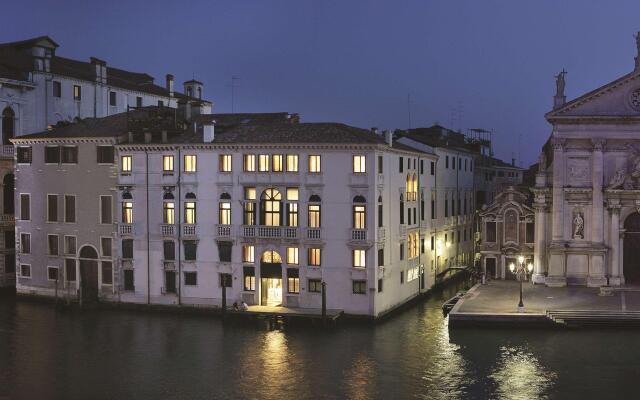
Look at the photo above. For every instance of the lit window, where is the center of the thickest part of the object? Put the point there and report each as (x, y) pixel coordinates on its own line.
(314, 257)
(249, 162)
(77, 92)
(292, 214)
(293, 280)
(276, 161)
(248, 254)
(167, 164)
(127, 212)
(249, 279)
(359, 259)
(359, 164)
(225, 163)
(292, 193)
(359, 217)
(168, 215)
(270, 206)
(314, 164)
(314, 215)
(190, 212)
(224, 213)
(292, 163)
(190, 163)
(249, 193)
(292, 255)
(125, 164)
(263, 163)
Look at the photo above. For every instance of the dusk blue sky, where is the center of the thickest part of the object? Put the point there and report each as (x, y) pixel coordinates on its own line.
(488, 64)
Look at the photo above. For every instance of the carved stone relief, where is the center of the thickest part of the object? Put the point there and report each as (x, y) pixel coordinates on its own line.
(578, 171)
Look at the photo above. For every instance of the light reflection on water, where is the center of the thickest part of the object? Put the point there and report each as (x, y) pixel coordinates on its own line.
(46, 353)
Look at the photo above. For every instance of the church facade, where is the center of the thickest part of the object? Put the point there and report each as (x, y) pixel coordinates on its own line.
(587, 192)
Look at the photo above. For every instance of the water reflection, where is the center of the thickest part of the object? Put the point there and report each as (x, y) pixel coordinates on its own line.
(519, 375)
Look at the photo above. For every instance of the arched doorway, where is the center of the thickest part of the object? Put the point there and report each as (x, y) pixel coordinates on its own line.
(631, 251)
(8, 185)
(270, 279)
(8, 125)
(88, 274)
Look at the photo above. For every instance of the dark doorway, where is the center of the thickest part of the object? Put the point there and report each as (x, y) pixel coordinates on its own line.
(170, 281)
(507, 271)
(128, 280)
(631, 251)
(490, 264)
(8, 185)
(8, 125)
(88, 274)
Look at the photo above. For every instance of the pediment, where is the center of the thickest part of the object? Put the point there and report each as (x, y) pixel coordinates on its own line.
(617, 99)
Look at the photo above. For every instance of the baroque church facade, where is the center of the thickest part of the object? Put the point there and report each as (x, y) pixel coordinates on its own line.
(587, 191)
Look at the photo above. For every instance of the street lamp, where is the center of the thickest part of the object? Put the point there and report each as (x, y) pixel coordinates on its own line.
(521, 274)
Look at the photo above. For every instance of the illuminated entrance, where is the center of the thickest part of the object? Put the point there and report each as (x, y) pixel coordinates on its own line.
(270, 279)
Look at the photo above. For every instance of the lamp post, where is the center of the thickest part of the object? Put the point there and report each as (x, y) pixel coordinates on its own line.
(521, 274)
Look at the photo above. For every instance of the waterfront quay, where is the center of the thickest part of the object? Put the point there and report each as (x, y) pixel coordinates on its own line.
(496, 303)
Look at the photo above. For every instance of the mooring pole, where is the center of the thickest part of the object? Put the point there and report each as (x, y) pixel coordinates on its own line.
(324, 302)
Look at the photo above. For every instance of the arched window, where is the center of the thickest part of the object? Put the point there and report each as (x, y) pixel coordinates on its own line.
(8, 125)
(314, 216)
(168, 196)
(359, 212)
(270, 207)
(8, 185)
(168, 209)
(271, 257)
(190, 209)
(190, 195)
(224, 209)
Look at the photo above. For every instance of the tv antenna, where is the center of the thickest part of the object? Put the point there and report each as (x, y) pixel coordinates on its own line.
(233, 86)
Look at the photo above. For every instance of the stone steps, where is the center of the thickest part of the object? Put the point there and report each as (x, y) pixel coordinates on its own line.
(594, 317)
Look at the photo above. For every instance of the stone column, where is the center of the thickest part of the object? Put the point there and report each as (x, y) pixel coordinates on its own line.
(540, 243)
(556, 275)
(615, 268)
(596, 276)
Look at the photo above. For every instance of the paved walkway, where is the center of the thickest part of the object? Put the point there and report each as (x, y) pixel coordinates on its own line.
(301, 312)
(501, 297)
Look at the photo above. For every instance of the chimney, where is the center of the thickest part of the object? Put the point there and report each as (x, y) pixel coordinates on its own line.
(374, 130)
(208, 132)
(170, 84)
(388, 137)
(513, 162)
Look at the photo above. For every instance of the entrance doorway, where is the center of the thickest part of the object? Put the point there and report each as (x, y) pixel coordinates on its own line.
(631, 251)
(88, 274)
(270, 279)
(170, 281)
(490, 264)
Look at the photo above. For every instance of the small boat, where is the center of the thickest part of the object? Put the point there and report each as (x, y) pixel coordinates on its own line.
(448, 305)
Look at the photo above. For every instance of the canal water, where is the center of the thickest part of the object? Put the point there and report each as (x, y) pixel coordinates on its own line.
(47, 353)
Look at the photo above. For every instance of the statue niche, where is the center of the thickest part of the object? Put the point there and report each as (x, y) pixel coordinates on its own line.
(578, 225)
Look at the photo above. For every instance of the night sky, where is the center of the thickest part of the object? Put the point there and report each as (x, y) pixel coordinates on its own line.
(465, 64)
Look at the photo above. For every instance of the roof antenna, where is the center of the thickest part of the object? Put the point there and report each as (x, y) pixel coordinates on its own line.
(233, 86)
(409, 107)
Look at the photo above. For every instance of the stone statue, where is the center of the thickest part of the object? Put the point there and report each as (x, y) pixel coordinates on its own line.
(637, 36)
(578, 226)
(560, 83)
(618, 179)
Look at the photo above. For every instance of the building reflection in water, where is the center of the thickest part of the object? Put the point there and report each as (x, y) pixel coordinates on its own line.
(519, 375)
(359, 378)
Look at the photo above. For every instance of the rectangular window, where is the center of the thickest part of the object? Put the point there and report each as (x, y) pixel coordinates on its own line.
(106, 216)
(401, 277)
(190, 250)
(248, 252)
(190, 212)
(127, 212)
(314, 164)
(107, 272)
(380, 215)
(314, 257)
(77, 92)
(453, 162)
(23, 155)
(433, 168)
(380, 285)
(9, 239)
(224, 251)
(105, 154)
(292, 214)
(167, 164)
(112, 99)
(292, 163)
(225, 280)
(169, 212)
(359, 217)
(52, 273)
(138, 101)
(129, 280)
(69, 154)
(315, 286)
(127, 248)
(359, 287)
(401, 251)
(190, 163)
(446, 161)
(225, 162)
(52, 244)
(224, 213)
(263, 163)
(530, 233)
(160, 103)
(421, 167)
(249, 279)
(249, 214)
(277, 164)
(190, 278)
(359, 258)
(380, 257)
(70, 245)
(249, 162)
(52, 208)
(25, 271)
(292, 255)
(70, 270)
(51, 154)
(57, 89)
(314, 216)
(25, 206)
(126, 163)
(169, 250)
(380, 164)
(491, 232)
(359, 165)
(25, 243)
(105, 246)
(293, 280)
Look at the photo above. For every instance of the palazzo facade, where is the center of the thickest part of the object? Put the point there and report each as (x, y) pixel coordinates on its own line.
(587, 191)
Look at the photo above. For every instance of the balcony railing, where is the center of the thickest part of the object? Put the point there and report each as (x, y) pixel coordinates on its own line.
(224, 230)
(314, 233)
(125, 229)
(189, 230)
(269, 232)
(358, 234)
(248, 231)
(168, 229)
(7, 150)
